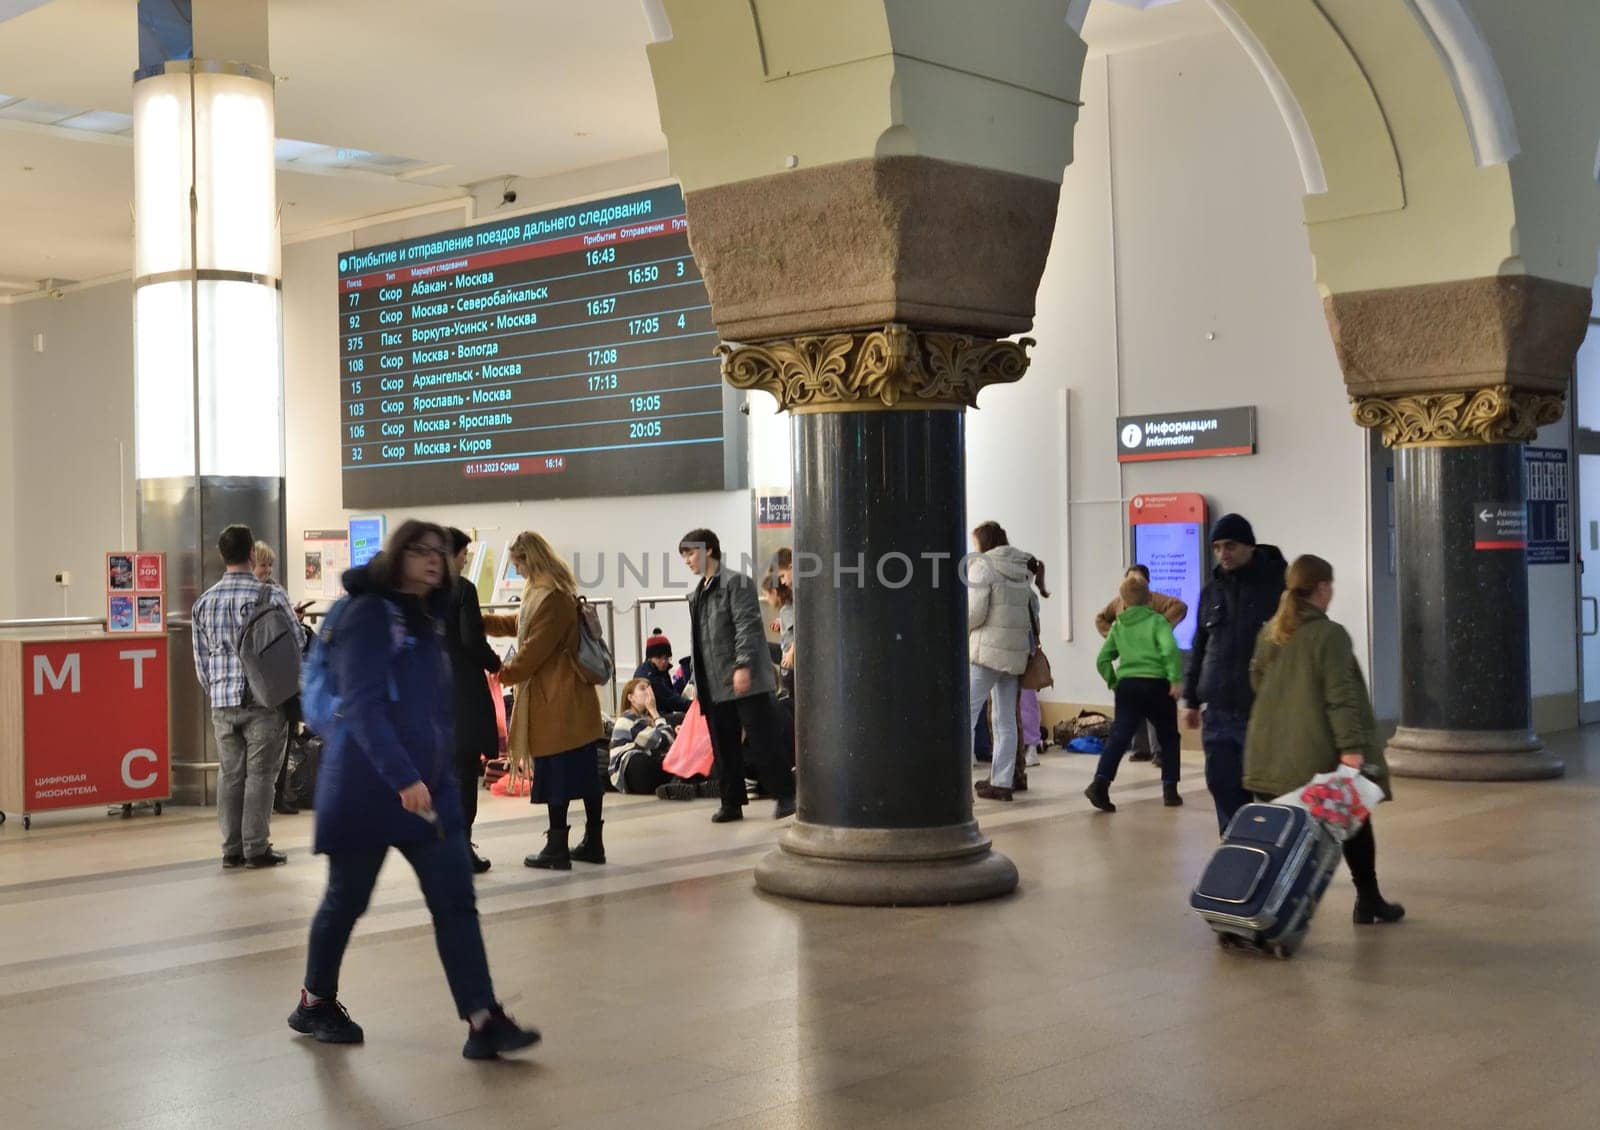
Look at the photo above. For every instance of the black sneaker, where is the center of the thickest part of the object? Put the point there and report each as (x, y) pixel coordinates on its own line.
(499, 1034)
(479, 864)
(707, 790)
(726, 815)
(1169, 795)
(268, 858)
(327, 1020)
(677, 790)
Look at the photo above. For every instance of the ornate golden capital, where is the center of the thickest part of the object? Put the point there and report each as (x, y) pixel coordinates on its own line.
(1498, 414)
(874, 370)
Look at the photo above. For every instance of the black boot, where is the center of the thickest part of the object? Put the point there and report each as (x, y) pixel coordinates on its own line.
(1099, 794)
(1169, 795)
(1371, 909)
(555, 856)
(591, 849)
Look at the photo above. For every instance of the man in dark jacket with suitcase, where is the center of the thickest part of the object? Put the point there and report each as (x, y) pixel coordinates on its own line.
(1241, 596)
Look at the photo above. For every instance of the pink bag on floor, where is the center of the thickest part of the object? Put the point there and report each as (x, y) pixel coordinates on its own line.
(1032, 725)
(690, 755)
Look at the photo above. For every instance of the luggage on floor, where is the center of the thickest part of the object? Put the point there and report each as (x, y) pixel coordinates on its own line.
(305, 760)
(1263, 884)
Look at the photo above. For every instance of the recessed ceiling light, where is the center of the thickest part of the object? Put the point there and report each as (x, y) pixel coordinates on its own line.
(27, 168)
(581, 133)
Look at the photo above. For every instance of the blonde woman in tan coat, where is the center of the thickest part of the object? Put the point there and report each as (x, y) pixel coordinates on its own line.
(555, 721)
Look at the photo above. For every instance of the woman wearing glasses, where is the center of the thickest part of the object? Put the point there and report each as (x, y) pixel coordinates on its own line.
(388, 780)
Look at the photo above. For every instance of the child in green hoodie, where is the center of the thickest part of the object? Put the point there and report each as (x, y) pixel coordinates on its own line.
(1147, 683)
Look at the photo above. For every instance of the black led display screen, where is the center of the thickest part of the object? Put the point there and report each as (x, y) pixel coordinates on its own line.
(557, 355)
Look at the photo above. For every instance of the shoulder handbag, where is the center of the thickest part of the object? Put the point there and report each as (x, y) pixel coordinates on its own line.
(1036, 676)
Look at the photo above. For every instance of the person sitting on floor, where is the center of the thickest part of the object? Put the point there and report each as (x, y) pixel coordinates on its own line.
(640, 738)
(657, 668)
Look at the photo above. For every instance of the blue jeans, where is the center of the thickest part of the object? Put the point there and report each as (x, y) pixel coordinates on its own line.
(1000, 690)
(444, 869)
(1223, 739)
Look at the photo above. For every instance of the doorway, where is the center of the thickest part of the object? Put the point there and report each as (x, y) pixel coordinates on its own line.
(1586, 537)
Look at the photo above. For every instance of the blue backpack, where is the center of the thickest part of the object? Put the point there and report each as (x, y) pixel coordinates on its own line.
(319, 692)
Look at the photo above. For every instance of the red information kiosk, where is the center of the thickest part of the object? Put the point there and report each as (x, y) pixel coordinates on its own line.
(83, 721)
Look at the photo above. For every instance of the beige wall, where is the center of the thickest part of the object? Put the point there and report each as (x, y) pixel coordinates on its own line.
(71, 445)
(8, 473)
(1170, 229)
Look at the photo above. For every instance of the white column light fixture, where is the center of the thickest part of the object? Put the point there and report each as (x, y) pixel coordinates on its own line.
(207, 268)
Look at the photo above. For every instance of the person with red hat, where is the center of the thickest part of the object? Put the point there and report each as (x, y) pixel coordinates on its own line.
(657, 667)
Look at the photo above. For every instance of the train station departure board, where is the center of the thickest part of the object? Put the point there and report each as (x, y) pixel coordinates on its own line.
(558, 355)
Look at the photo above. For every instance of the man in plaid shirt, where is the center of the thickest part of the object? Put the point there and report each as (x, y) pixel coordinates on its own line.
(249, 737)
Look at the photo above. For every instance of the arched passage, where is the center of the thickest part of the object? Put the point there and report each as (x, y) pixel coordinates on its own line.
(872, 187)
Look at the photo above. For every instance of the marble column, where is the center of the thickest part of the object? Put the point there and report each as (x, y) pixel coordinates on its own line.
(207, 317)
(1457, 377)
(883, 760)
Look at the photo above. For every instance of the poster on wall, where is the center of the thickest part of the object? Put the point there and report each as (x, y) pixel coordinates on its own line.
(1549, 506)
(120, 613)
(327, 556)
(119, 572)
(150, 612)
(149, 572)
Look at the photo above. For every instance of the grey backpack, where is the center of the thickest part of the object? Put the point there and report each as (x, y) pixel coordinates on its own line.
(593, 657)
(269, 651)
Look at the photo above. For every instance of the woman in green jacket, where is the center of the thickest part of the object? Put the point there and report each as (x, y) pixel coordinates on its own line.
(1312, 713)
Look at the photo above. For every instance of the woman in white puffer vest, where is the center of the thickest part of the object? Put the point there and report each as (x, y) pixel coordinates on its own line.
(1002, 619)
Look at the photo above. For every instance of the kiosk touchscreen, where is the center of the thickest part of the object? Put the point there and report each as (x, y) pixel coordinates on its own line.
(508, 584)
(366, 538)
(1169, 539)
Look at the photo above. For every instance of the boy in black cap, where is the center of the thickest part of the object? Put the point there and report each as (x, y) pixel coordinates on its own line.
(1241, 596)
(657, 664)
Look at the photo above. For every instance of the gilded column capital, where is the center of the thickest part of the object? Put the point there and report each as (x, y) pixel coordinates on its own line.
(1497, 414)
(895, 367)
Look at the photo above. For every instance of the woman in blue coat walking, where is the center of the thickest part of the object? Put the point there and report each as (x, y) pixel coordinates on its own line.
(388, 780)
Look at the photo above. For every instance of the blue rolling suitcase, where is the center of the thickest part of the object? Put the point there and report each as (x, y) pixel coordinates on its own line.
(1263, 884)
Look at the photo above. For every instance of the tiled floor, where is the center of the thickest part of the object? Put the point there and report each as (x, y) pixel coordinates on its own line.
(141, 986)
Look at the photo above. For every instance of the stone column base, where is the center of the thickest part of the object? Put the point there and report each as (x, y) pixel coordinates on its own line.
(886, 866)
(1471, 755)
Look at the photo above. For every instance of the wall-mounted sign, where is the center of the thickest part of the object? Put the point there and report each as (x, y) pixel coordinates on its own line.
(1169, 539)
(774, 511)
(1186, 435)
(1549, 506)
(1499, 525)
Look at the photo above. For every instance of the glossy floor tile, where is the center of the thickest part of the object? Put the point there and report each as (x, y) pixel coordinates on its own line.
(143, 986)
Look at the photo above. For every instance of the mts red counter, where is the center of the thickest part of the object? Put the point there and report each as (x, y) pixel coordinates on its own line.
(83, 721)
